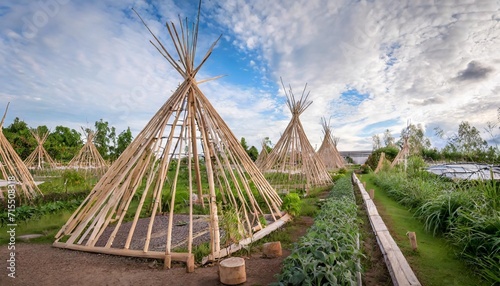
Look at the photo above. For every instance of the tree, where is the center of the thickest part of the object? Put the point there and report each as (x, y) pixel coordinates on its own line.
(63, 143)
(124, 139)
(416, 138)
(102, 138)
(244, 144)
(19, 136)
(467, 144)
(388, 138)
(376, 142)
(253, 153)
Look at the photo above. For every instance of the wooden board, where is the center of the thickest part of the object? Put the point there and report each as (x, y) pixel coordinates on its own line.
(399, 269)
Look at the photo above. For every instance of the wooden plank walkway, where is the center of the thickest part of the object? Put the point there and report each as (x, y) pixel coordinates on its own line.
(400, 270)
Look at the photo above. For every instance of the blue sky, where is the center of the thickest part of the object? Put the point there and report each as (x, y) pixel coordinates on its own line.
(369, 65)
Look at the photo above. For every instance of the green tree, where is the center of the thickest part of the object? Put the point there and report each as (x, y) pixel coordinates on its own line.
(105, 138)
(253, 153)
(468, 141)
(124, 139)
(19, 136)
(416, 139)
(244, 144)
(63, 143)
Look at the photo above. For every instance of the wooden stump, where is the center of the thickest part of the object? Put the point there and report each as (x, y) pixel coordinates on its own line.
(232, 271)
(271, 249)
(371, 193)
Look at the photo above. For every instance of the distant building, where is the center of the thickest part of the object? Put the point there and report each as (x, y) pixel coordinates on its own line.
(359, 157)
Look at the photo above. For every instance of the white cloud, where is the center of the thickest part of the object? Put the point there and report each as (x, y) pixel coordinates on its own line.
(430, 62)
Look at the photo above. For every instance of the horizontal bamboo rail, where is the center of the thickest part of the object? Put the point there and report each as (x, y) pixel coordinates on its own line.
(399, 269)
(175, 256)
(244, 242)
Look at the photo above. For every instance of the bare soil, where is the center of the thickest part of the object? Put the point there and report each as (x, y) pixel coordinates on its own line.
(42, 264)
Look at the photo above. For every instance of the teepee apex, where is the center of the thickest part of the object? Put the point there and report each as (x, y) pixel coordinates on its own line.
(186, 166)
(39, 158)
(296, 106)
(13, 171)
(328, 150)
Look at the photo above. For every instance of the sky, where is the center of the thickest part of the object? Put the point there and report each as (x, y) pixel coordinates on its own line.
(369, 66)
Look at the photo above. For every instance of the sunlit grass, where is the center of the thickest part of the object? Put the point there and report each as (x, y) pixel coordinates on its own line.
(435, 262)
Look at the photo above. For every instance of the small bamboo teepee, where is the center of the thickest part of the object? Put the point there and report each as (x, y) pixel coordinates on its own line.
(328, 150)
(13, 172)
(39, 158)
(402, 154)
(293, 165)
(261, 159)
(89, 158)
(185, 157)
(381, 162)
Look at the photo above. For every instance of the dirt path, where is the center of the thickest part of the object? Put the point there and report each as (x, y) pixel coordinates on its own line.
(42, 264)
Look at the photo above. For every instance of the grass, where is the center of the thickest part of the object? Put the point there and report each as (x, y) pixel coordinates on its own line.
(434, 262)
(48, 225)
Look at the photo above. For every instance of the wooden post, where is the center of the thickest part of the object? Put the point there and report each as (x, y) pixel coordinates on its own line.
(364, 185)
(413, 240)
(168, 262)
(372, 193)
(232, 271)
(190, 263)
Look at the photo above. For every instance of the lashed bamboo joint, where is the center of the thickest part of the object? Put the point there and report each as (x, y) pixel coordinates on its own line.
(13, 171)
(293, 165)
(186, 159)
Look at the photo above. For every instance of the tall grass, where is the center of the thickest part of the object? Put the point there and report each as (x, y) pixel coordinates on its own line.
(466, 213)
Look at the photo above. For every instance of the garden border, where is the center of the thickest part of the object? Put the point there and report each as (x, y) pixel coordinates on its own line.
(399, 269)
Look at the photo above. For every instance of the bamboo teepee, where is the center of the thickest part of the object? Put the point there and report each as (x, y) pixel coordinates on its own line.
(261, 159)
(39, 158)
(89, 158)
(381, 162)
(13, 173)
(186, 155)
(402, 154)
(293, 164)
(328, 150)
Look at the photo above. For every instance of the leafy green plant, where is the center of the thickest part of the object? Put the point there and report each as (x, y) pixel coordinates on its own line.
(328, 253)
(291, 204)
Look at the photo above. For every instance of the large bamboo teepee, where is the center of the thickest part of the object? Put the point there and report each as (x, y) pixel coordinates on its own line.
(13, 173)
(185, 157)
(293, 165)
(328, 150)
(89, 158)
(39, 159)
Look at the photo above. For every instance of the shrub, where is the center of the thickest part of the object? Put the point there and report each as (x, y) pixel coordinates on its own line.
(291, 204)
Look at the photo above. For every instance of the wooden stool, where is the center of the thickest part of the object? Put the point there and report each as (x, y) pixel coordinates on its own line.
(232, 271)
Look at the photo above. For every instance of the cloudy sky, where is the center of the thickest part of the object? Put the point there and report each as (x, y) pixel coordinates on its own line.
(369, 65)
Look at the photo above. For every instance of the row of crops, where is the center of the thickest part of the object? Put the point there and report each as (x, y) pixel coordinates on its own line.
(467, 213)
(328, 254)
